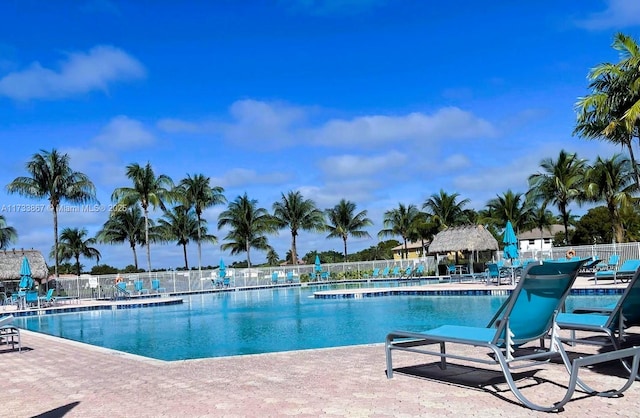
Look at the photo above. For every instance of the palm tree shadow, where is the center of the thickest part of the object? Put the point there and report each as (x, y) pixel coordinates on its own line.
(58, 412)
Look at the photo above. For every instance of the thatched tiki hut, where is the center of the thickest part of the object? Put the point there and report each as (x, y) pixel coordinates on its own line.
(466, 239)
(10, 262)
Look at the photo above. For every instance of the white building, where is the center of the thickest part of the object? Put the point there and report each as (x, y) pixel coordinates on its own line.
(535, 241)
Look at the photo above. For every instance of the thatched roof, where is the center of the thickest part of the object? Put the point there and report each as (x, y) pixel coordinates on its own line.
(11, 261)
(463, 238)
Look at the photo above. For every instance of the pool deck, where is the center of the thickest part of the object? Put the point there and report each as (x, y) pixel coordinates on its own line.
(53, 377)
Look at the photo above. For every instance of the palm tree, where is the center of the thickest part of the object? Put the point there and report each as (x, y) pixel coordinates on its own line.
(512, 207)
(611, 181)
(612, 110)
(402, 221)
(181, 224)
(198, 193)
(272, 257)
(52, 178)
(445, 209)
(297, 213)
(148, 190)
(125, 226)
(560, 183)
(343, 221)
(8, 234)
(249, 224)
(73, 244)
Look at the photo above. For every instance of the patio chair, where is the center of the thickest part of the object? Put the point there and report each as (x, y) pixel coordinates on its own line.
(624, 273)
(376, 273)
(46, 300)
(31, 298)
(325, 276)
(611, 320)
(155, 286)
(527, 315)
(290, 277)
(385, 272)
(274, 277)
(419, 271)
(139, 286)
(493, 273)
(120, 290)
(395, 272)
(9, 333)
(611, 264)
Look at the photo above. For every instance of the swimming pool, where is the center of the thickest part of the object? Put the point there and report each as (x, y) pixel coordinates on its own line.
(266, 320)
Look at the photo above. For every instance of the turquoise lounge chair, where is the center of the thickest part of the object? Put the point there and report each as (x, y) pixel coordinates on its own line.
(376, 273)
(120, 290)
(290, 277)
(155, 286)
(46, 300)
(419, 271)
(274, 277)
(528, 315)
(610, 320)
(624, 273)
(385, 272)
(9, 333)
(140, 287)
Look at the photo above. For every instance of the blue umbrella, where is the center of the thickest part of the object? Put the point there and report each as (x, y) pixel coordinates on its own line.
(223, 270)
(318, 266)
(511, 241)
(26, 282)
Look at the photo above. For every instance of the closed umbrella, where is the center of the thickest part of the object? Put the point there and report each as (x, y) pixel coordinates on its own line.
(511, 242)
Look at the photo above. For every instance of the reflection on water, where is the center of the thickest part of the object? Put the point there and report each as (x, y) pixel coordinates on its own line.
(268, 320)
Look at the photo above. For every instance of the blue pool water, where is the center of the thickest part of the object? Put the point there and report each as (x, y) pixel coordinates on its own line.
(267, 320)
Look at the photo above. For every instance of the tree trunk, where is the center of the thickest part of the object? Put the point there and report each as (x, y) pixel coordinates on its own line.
(135, 254)
(55, 244)
(345, 248)
(294, 250)
(406, 250)
(78, 264)
(633, 161)
(199, 247)
(146, 238)
(184, 252)
(248, 248)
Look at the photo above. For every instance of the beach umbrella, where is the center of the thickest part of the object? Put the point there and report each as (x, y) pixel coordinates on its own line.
(26, 281)
(511, 242)
(223, 270)
(317, 263)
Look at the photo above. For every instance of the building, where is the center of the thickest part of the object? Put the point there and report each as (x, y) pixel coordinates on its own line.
(534, 241)
(10, 263)
(415, 250)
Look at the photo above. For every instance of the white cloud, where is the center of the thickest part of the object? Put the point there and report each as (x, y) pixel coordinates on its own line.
(239, 177)
(372, 131)
(125, 133)
(347, 166)
(618, 14)
(456, 161)
(275, 125)
(79, 73)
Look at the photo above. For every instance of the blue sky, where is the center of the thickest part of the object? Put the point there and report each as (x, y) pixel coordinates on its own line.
(377, 101)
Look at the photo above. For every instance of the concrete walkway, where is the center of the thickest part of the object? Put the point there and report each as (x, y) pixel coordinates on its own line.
(54, 377)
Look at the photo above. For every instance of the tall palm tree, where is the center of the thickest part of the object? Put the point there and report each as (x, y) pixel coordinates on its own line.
(344, 221)
(611, 181)
(402, 221)
(198, 194)
(297, 213)
(512, 207)
(181, 224)
(560, 183)
(52, 178)
(445, 209)
(73, 244)
(249, 224)
(612, 110)
(147, 191)
(8, 234)
(125, 226)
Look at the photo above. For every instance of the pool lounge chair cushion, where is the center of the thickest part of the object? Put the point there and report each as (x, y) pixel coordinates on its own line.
(527, 315)
(625, 272)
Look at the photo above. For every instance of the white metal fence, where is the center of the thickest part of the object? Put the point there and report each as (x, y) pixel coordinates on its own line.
(100, 287)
